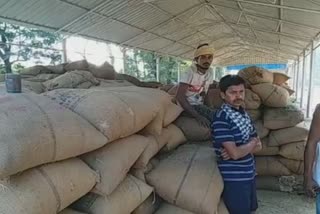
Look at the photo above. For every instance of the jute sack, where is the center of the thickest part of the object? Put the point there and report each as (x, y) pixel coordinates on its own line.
(154, 145)
(289, 184)
(70, 79)
(36, 130)
(35, 87)
(193, 181)
(271, 166)
(252, 100)
(35, 70)
(272, 95)
(172, 112)
(254, 75)
(266, 149)
(113, 83)
(81, 65)
(170, 209)
(222, 209)
(70, 211)
(104, 71)
(280, 78)
(293, 151)
(254, 114)
(114, 160)
(289, 135)
(116, 113)
(192, 130)
(294, 166)
(176, 138)
(126, 198)
(280, 118)
(213, 98)
(42, 77)
(149, 206)
(261, 130)
(46, 189)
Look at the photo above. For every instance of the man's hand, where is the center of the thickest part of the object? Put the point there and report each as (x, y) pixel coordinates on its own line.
(310, 188)
(204, 122)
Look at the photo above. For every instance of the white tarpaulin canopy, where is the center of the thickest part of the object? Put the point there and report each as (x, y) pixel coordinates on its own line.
(241, 31)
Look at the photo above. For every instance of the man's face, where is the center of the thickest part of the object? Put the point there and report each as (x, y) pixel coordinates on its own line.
(204, 61)
(234, 95)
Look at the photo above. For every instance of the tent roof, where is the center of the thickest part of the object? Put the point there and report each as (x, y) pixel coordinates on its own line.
(241, 31)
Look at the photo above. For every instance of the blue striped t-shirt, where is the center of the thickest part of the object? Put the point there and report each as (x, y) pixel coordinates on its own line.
(233, 125)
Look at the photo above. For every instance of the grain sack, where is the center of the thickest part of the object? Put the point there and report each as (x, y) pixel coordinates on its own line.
(280, 118)
(128, 78)
(126, 198)
(254, 114)
(172, 112)
(167, 87)
(270, 183)
(270, 166)
(70, 211)
(170, 209)
(42, 77)
(280, 78)
(173, 90)
(84, 85)
(149, 206)
(261, 130)
(288, 184)
(290, 90)
(222, 209)
(252, 100)
(113, 83)
(293, 151)
(272, 95)
(254, 75)
(71, 79)
(294, 166)
(175, 138)
(193, 180)
(46, 189)
(192, 130)
(36, 87)
(213, 98)
(116, 113)
(154, 145)
(267, 150)
(289, 135)
(114, 160)
(81, 65)
(36, 130)
(35, 70)
(104, 71)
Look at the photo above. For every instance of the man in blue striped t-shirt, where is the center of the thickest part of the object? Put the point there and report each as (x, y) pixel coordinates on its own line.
(235, 140)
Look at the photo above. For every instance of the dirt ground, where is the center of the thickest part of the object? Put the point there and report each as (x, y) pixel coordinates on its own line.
(283, 203)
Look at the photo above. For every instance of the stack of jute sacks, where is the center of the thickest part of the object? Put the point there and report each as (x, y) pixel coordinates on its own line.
(279, 123)
(91, 150)
(79, 74)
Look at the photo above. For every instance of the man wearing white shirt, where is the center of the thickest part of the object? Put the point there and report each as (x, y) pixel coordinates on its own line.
(312, 161)
(194, 85)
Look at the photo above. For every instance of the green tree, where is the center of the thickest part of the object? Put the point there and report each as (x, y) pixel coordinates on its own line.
(19, 44)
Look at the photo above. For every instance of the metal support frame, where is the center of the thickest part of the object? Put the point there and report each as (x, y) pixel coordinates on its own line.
(297, 83)
(303, 77)
(179, 71)
(158, 68)
(310, 80)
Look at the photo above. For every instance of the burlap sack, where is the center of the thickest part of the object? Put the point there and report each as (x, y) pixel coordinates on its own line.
(213, 98)
(36, 87)
(222, 209)
(114, 160)
(173, 90)
(267, 150)
(271, 166)
(293, 151)
(272, 95)
(104, 71)
(149, 206)
(192, 130)
(117, 112)
(42, 77)
(294, 166)
(288, 184)
(289, 135)
(280, 118)
(252, 100)
(81, 65)
(167, 87)
(70, 211)
(287, 87)
(193, 180)
(261, 130)
(254, 114)
(166, 208)
(113, 83)
(176, 138)
(36, 130)
(71, 79)
(172, 112)
(126, 198)
(35, 70)
(280, 78)
(46, 189)
(128, 78)
(254, 75)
